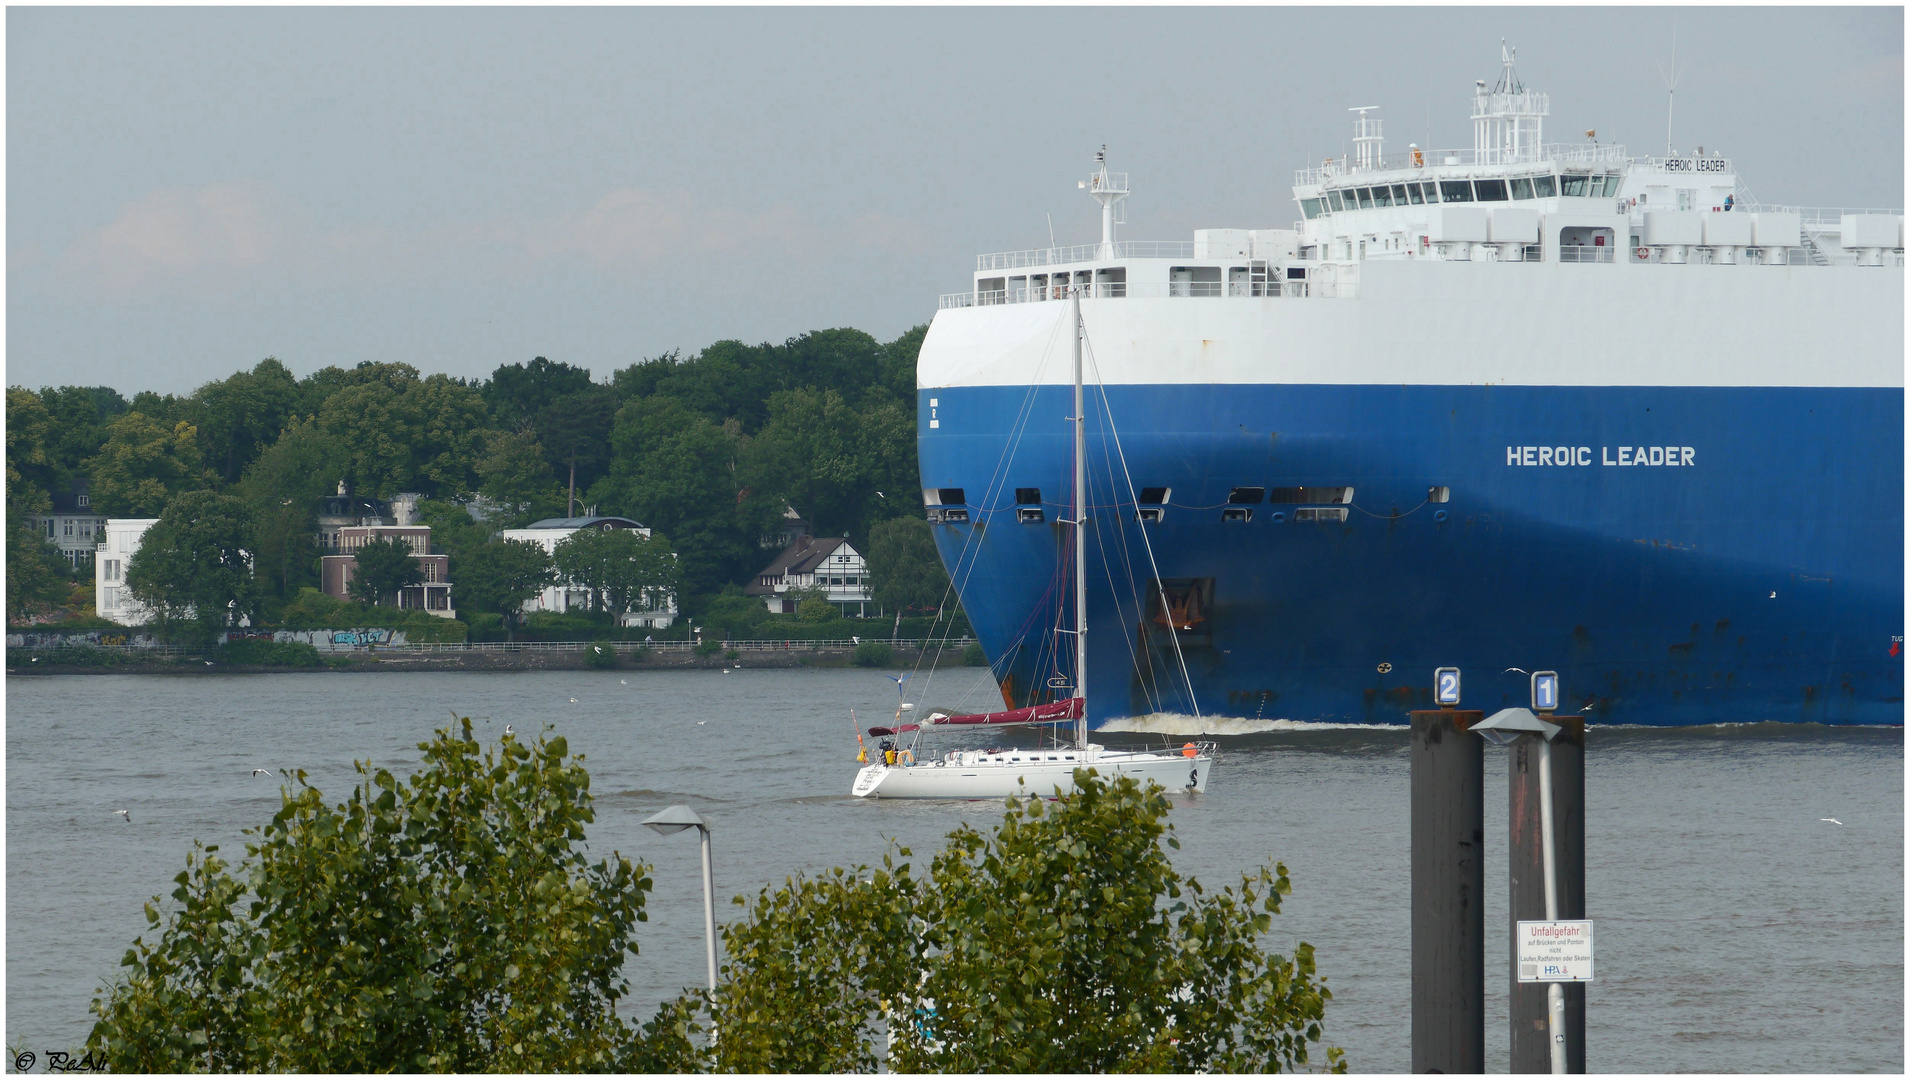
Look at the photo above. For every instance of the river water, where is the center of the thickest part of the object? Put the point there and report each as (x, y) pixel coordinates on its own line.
(1736, 930)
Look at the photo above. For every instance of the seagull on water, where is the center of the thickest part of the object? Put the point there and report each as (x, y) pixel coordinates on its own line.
(1832, 820)
(127, 814)
(511, 730)
(573, 701)
(624, 682)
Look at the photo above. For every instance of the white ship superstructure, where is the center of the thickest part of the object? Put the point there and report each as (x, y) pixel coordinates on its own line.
(1438, 375)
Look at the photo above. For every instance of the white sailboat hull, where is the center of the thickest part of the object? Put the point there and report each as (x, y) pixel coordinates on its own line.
(1037, 773)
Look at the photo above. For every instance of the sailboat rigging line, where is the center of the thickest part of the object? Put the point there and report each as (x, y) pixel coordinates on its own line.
(964, 565)
(1146, 542)
(1149, 679)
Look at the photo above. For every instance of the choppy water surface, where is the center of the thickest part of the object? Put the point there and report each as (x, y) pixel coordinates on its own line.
(1736, 931)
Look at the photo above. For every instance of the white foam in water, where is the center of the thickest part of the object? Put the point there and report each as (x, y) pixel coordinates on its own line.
(1182, 724)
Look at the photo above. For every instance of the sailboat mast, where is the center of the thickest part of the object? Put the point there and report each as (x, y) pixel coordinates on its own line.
(1080, 531)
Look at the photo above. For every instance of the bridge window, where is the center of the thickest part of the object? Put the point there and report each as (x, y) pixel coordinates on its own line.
(1414, 193)
(1335, 200)
(1490, 190)
(1544, 187)
(1310, 208)
(1611, 185)
(1522, 187)
(1455, 191)
(1382, 196)
(1574, 186)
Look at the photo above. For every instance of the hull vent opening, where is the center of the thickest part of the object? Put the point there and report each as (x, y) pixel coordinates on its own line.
(1320, 513)
(1245, 496)
(949, 516)
(1031, 515)
(1439, 494)
(1339, 495)
(1028, 496)
(1237, 513)
(1151, 514)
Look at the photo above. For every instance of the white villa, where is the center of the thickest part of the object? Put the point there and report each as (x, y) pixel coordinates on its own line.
(562, 596)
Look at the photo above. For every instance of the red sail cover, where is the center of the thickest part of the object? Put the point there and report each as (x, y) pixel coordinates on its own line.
(1055, 712)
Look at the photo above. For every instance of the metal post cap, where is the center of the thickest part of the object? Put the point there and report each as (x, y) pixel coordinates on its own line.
(675, 819)
(1508, 724)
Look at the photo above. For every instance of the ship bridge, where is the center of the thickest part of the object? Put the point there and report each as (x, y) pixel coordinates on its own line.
(1510, 197)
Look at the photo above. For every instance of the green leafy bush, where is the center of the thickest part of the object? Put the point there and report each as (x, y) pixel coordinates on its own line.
(601, 654)
(874, 654)
(270, 653)
(1062, 941)
(448, 922)
(973, 655)
(708, 648)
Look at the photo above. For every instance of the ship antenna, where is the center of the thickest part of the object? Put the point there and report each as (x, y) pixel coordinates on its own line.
(1671, 85)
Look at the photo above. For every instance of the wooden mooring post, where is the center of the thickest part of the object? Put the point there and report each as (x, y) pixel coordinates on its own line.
(1448, 889)
(1525, 865)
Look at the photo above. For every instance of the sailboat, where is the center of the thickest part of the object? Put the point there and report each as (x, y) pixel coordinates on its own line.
(999, 773)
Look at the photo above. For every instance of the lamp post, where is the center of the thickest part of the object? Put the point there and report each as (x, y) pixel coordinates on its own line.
(674, 820)
(1502, 729)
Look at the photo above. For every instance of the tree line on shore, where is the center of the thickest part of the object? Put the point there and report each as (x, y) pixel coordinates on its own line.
(707, 450)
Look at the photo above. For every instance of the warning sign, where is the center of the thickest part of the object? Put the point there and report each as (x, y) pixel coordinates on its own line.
(1555, 951)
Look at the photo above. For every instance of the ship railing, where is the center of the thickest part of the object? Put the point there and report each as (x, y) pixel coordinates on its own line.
(1583, 254)
(1570, 153)
(1080, 253)
(1269, 289)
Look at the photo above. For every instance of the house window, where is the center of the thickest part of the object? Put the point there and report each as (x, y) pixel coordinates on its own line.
(66, 528)
(85, 500)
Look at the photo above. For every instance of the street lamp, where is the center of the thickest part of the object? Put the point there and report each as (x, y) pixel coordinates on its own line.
(1503, 728)
(675, 820)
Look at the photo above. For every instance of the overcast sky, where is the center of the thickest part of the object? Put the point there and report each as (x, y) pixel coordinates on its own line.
(191, 190)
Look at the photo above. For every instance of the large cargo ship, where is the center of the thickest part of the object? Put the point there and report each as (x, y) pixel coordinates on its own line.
(1521, 406)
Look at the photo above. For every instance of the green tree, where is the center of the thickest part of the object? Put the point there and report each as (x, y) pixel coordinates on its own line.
(383, 567)
(622, 569)
(29, 464)
(501, 576)
(193, 562)
(514, 472)
(453, 529)
(240, 415)
(283, 487)
(401, 433)
(904, 566)
(448, 922)
(1064, 941)
(80, 417)
(144, 463)
(575, 431)
(37, 575)
(517, 392)
(675, 470)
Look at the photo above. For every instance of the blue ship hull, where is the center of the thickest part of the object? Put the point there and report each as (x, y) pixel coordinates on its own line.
(1758, 578)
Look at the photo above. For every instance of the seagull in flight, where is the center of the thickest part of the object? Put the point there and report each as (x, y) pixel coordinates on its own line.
(1520, 670)
(700, 723)
(261, 772)
(127, 814)
(510, 730)
(1832, 820)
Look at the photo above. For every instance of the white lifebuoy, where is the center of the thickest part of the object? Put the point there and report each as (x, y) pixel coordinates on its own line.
(1644, 253)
